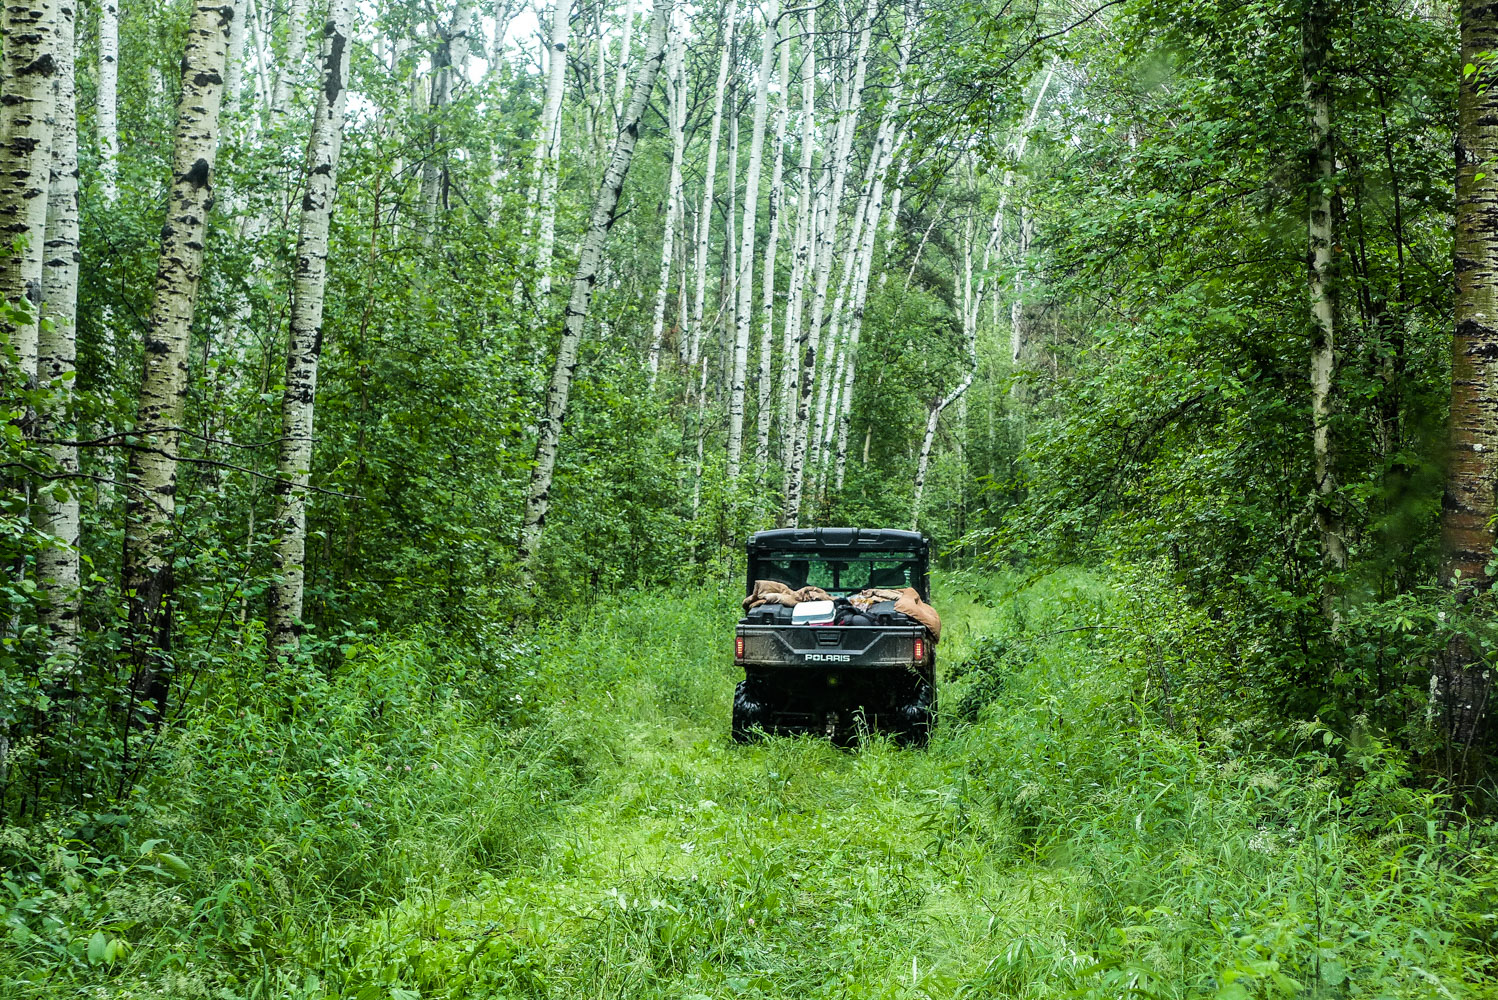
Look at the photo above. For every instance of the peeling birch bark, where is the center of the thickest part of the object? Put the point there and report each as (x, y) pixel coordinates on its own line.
(549, 434)
(298, 401)
(151, 475)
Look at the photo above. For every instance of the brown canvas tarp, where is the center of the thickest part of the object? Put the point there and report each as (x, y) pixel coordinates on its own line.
(907, 601)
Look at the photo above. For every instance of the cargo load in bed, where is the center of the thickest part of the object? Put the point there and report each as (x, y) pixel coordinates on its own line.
(837, 635)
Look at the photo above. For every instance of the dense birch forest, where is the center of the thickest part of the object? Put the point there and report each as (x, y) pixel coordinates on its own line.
(390, 389)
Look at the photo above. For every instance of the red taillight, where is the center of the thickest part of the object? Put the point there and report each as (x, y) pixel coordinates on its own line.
(919, 654)
(738, 647)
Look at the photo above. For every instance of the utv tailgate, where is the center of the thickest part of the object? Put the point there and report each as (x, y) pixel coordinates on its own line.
(823, 645)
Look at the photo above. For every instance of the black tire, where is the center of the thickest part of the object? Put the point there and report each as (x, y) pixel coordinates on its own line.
(915, 719)
(750, 715)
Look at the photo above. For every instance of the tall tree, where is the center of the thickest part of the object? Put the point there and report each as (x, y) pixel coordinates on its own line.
(294, 464)
(30, 65)
(546, 157)
(106, 99)
(676, 89)
(773, 211)
(584, 280)
(151, 475)
(57, 563)
(1321, 277)
(803, 238)
(709, 178)
(744, 316)
(289, 67)
(822, 256)
(1462, 685)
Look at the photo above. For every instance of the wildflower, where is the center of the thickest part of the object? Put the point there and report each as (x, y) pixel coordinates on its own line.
(751, 921)
(434, 765)
(408, 767)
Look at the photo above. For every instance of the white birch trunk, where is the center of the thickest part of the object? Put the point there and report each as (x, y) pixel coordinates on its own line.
(547, 155)
(803, 239)
(106, 103)
(549, 435)
(823, 254)
(233, 65)
(30, 65)
(767, 306)
(622, 68)
(676, 87)
(152, 470)
(289, 73)
(294, 463)
(58, 564)
(744, 316)
(705, 216)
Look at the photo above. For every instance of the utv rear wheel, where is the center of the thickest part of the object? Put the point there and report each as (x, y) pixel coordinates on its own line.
(916, 718)
(750, 715)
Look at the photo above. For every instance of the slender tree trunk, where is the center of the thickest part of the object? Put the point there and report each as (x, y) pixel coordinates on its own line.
(233, 66)
(1462, 684)
(57, 565)
(289, 73)
(622, 67)
(861, 283)
(586, 277)
(152, 471)
(30, 64)
(803, 240)
(294, 463)
(546, 160)
(676, 87)
(705, 217)
(1321, 278)
(106, 113)
(827, 232)
(971, 306)
(772, 244)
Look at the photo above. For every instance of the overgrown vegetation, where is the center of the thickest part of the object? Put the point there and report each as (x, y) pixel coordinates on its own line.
(561, 814)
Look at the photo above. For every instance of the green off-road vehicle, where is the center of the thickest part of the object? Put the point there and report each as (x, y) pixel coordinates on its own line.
(837, 667)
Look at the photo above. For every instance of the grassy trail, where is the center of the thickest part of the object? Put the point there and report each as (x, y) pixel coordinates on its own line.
(563, 816)
(695, 867)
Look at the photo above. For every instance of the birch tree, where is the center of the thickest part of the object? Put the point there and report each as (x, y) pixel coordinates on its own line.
(151, 475)
(676, 88)
(541, 205)
(772, 242)
(294, 463)
(605, 204)
(293, 55)
(705, 217)
(827, 232)
(1461, 685)
(30, 64)
(796, 292)
(58, 564)
(744, 317)
(106, 99)
(1320, 278)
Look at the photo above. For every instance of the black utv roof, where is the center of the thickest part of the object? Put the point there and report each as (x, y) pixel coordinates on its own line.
(837, 539)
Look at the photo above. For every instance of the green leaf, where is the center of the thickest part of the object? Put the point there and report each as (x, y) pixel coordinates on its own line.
(1468, 70)
(96, 947)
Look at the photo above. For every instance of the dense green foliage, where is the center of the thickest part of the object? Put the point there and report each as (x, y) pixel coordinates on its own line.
(559, 814)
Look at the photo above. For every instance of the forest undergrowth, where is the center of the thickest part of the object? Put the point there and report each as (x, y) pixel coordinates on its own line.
(562, 815)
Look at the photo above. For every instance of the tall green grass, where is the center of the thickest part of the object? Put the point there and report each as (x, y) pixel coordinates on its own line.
(559, 813)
